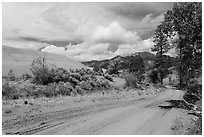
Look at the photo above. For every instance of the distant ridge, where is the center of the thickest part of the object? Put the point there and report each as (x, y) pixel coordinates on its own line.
(147, 57)
(20, 60)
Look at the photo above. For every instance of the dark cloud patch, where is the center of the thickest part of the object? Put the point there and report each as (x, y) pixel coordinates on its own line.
(113, 48)
(30, 39)
(147, 35)
(137, 10)
(58, 43)
(64, 43)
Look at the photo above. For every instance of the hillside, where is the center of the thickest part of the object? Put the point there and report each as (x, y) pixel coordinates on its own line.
(20, 59)
(146, 56)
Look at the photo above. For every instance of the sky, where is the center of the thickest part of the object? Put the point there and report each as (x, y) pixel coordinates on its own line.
(86, 31)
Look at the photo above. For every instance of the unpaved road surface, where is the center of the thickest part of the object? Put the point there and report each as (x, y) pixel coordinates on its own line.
(141, 115)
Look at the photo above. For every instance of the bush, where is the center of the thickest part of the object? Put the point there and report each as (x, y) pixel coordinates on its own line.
(79, 90)
(131, 81)
(41, 72)
(6, 89)
(11, 76)
(37, 92)
(194, 93)
(25, 76)
(97, 68)
(76, 76)
(65, 88)
(108, 78)
(86, 85)
(16, 90)
(154, 77)
(50, 82)
(60, 74)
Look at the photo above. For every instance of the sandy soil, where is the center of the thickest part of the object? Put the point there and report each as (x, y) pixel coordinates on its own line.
(126, 113)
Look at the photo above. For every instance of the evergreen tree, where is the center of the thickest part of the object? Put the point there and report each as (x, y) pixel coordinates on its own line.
(161, 46)
(184, 20)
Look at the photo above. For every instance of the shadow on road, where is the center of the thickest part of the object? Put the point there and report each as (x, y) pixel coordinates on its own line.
(176, 104)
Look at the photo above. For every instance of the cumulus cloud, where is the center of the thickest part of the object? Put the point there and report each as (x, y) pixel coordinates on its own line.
(126, 49)
(54, 49)
(84, 30)
(137, 10)
(115, 34)
(103, 38)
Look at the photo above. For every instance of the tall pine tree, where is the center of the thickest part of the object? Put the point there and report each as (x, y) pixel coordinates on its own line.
(185, 21)
(161, 46)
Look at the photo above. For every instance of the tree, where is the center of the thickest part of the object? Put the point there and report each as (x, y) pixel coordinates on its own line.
(184, 20)
(136, 66)
(161, 46)
(114, 66)
(41, 73)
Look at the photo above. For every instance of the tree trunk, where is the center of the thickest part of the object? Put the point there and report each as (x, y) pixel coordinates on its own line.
(161, 59)
(180, 66)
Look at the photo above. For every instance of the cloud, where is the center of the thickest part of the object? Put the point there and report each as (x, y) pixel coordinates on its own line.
(127, 49)
(114, 34)
(54, 49)
(106, 42)
(137, 10)
(83, 30)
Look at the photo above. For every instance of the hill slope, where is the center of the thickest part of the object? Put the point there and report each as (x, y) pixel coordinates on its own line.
(146, 56)
(20, 60)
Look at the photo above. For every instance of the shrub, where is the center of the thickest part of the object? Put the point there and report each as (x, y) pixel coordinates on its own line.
(108, 77)
(41, 73)
(154, 77)
(48, 91)
(76, 76)
(54, 81)
(97, 68)
(114, 66)
(102, 84)
(65, 88)
(25, 76)
(86, 85)
(79, 90)
(194, 93)
(60, 74)
(6, 89)
(131, 81)
(38, 91)
(11, 90)
(11, 76)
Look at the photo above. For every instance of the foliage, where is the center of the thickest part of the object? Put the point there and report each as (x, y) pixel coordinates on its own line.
(131, 81)
(193, 94)
(162, 67)
(16, 90)
(51, 82)
(11, 75)
(108, 77)
(114, 66)
(60, 74)
(97, 68)
(41, 72)
(25, 76)
(161, 44)
(154, 76)
(136, 64)
(183, 25)
(86, 85)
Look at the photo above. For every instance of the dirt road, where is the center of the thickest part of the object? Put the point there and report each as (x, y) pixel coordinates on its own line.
(141, 115)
